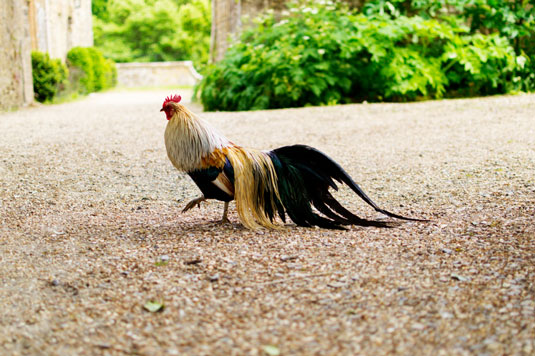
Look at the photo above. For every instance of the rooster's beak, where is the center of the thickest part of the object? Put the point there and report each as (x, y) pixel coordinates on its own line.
(161, 109)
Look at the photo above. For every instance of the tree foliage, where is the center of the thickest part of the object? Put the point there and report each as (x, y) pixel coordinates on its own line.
(320, 53)
(153, 30)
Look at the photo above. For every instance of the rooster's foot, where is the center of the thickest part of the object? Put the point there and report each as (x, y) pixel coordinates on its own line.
(225, 220)
(193, 203)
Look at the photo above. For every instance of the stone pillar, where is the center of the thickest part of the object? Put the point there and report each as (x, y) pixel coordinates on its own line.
(16, 83)
(227, 21)
(225, 24)
(56, 26)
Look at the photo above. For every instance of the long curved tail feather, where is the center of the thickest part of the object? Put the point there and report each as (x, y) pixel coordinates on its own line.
(304, 177)
(328, 169)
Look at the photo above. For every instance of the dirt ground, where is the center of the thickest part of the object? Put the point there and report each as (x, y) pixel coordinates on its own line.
(91, 230)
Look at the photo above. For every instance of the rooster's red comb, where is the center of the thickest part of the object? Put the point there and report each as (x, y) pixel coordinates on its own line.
(173, 98)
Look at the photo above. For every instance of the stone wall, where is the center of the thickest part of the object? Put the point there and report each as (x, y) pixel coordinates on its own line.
(52, 26)
(16, 87)
(58, 25)
(157, 74)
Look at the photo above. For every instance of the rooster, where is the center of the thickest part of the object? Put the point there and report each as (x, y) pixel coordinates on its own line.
(290, 180)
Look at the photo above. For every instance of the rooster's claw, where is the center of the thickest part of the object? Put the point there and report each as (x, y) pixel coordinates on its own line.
(193, 203)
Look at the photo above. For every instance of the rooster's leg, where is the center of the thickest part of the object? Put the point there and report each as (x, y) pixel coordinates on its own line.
(225, 219)
(193, 203)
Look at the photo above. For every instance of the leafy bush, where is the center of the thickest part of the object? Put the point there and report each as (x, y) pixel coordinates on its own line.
(110, 73)
(80, 58)
(319, 54)
(48, 76)
(99, 68)
(513, 20)
(153, 30)
(97, 72)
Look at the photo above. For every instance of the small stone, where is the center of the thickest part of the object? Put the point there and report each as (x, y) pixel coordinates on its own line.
(193, 261)
(418, 326)
(446, 315)
(336, 285)
(458, 277)
(285, 258)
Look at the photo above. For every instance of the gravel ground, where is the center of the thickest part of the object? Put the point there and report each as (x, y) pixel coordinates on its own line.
(91, 230)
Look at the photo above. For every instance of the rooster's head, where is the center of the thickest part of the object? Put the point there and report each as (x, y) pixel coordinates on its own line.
(169, 105)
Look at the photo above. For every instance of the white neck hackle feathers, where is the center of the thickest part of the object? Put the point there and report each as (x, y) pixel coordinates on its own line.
(188, 139)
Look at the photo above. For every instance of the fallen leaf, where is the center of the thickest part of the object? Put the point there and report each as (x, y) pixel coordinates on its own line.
(271, 350)
(153, 307)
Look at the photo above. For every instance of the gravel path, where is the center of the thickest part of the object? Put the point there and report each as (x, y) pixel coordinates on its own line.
(91, 230)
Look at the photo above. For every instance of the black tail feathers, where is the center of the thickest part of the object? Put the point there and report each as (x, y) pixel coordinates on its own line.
(304, 178)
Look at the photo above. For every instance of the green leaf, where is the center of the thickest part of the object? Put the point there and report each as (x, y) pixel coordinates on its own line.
(153, 307)
(271, 350)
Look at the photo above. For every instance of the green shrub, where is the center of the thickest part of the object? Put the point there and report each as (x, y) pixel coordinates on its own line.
(98, 73)
(48, 76)
(79, 57)
(514, 20)
(319, 54)
(99, 68)
(110, 73)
